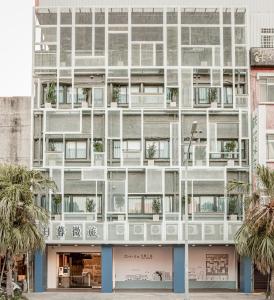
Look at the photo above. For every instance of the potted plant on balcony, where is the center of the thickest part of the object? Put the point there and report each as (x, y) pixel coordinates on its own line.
(232, 208)
(119, 206)
(173, 97)
(86, 94)
(90, 205)
(51, 95)
(230, 149)
(98, 146)
(115, 96)
(212, 96)
(156, 208)
(57, 200)
(151, 151)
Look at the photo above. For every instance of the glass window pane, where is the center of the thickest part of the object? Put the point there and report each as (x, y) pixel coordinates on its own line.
(81, 149)
(135, 205)
(70, 149)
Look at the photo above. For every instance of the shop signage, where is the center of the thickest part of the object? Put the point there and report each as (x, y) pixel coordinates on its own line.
(262, 57)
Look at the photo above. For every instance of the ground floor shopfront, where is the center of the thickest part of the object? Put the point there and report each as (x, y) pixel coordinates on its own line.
(109, 267)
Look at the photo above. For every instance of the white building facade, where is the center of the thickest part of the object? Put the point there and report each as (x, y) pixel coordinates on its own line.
(116, 90)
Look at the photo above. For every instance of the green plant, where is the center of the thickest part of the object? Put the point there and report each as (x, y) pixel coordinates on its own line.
(156, 206)
(173, 94)
(51, 94)
(212, 94)
(115, 93)
(57, 200)
(98, 146)
(233, 205)
(151, 151)
(85, 93)
(255, 238)
(90, 205)
(52, 146)
(21, 219)
(230, 146)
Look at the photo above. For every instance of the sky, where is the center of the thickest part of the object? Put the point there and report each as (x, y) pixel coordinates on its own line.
(15, 47)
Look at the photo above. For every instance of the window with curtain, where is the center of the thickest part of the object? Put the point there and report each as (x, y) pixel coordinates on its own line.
(82, 204)
(76, 150)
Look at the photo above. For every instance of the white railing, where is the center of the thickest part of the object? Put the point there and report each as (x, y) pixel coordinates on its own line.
(146, 100)
(88, 231)
(53, 159)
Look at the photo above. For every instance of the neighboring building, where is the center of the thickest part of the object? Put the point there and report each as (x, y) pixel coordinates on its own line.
(15, 119)
(116, 90)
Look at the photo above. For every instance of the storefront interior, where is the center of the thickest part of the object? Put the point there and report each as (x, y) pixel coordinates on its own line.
(79, 270)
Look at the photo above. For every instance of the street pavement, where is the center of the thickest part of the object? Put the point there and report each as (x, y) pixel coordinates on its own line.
(141, 296)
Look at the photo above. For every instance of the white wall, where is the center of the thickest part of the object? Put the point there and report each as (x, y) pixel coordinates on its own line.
(144, 261)
(52, 260)
(197, 263)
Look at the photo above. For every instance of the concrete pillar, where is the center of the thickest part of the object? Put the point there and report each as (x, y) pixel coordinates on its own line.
(179, 269)
(107, 260)
(39, 271)
(246, 275)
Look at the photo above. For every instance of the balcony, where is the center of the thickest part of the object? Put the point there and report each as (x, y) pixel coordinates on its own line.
(148, 101)
(149, 232)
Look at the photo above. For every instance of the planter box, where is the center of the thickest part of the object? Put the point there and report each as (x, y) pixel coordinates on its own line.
(214, 105)
(150, 162)
(233, 217)
(113, 104)
(47, 105)
(84, 104)
(121, 218)
(230, 163)
(156, 218)
(173, 104)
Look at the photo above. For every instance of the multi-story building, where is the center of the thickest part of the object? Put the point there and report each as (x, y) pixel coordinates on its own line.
(116, 90)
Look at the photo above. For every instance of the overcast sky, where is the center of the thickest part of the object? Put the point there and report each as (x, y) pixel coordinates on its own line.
(15, 47)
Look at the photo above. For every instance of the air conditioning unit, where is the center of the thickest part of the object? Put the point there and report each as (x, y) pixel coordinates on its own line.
(155, 229)
(171, 229)
(138, 229)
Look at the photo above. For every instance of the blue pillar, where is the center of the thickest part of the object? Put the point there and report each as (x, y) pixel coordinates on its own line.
(107, 269)
(246, 275)
(179, 269)
(39, 270)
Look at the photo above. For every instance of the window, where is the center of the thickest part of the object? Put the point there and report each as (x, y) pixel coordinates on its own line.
(55, 146)
(153, 89)
(208, 204)
(128, 146)
(123, 96)
(76, 150)
(171, 204)
(135, 89)
(270, 146)
(82, 204)
(228, 95)
(142, 204)
(266, 90)
(206, 95)
(226, 149)
(267, 37)
(157, 149)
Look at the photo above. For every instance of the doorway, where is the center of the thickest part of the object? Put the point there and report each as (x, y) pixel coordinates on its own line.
(79, 270)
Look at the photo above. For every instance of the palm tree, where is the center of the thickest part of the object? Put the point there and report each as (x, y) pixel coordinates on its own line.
(255, 238)
(20, 218)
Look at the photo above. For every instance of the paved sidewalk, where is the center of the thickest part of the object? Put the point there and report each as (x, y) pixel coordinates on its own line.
(141, 296)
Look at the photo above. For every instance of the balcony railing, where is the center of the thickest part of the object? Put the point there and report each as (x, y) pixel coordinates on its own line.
(149, 232)
(146, 100)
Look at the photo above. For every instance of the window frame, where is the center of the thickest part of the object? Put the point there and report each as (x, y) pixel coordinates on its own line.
(75, 150)
(159, 141)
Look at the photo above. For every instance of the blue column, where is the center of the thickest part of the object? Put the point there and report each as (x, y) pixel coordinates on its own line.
(39, 270)
(107, 259)
(179, 269)
(246, 275)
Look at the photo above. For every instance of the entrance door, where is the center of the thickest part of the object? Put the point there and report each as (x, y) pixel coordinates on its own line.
(79, 270)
